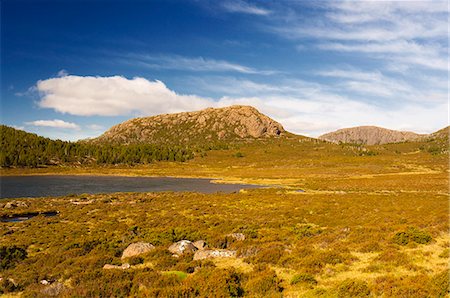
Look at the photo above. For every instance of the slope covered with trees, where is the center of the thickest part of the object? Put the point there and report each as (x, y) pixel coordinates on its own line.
(20, 148)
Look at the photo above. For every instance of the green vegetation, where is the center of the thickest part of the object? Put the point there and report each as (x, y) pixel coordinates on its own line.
(93, 230)
(412, 235)
(11, 255)
(364, 225)
(24, 149)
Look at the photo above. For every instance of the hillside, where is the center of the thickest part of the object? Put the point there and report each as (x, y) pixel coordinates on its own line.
(24, 149)
(370, 135)
(222, 124)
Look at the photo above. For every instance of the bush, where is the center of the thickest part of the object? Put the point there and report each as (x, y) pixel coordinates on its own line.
(7, 286)
(353, 288)
(10, 255)
(306, 230)
(412, 235)
(135, 260)
(303, 278)
(440, 284)
(264, 282)
(212, 282)
(270, 255)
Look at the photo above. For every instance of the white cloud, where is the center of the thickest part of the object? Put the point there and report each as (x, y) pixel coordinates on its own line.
(62, 73)
(402, 34)
(199, 64)
(56, 123)
(18, 127)
(302, 107)
(240, 6)
(112, 96)
(95, 127)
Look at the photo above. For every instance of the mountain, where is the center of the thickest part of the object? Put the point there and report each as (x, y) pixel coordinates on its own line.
(441, 134)
(205, 126)
(370, 135)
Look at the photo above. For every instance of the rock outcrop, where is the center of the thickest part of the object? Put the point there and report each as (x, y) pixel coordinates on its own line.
(370, 135)
(200, 244)
(182, 247)
(120, 267)
(135, 249)
(234, 122)
(214, 253)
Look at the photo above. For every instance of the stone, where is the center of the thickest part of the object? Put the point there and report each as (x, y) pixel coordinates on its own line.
(200, 244)
(10, 205)
(135, 249)
(121, 267)
(54, 289)
(182, 247)
(216, 253)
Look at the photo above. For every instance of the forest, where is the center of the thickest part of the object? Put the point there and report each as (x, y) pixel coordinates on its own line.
(22, 149)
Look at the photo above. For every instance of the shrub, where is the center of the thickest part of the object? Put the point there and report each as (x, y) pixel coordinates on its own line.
(306, 230)
(412, 235)
(303, 278)
(7, 286)
(10, 255)
(353, 288)
(136, 260)
(445, 254)
(440, 284)
(270, 255)
(393, 257)
(212, 282)
(264, 282)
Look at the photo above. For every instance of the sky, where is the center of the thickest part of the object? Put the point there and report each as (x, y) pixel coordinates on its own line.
(72, 69)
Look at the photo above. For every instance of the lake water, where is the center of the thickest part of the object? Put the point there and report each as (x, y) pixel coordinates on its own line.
(50, 186)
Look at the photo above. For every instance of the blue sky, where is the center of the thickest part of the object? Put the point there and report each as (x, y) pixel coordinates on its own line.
(72, 69)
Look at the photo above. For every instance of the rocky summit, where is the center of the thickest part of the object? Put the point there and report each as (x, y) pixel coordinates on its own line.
(370, 135)
(230, 123)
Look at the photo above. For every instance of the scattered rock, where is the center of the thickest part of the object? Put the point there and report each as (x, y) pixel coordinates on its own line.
(216, 253)
(44, 282)
(53, 290)
(200, 244)
(182, 247)
(121, 267)
(137, 248)
(237, 236)
(10, 205)
(15, 204)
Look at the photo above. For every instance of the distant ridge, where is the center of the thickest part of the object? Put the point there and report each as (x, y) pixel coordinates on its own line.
(370, 135)
(212, 124)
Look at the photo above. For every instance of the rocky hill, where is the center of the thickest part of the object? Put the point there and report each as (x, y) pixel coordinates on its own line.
(441, 134)
(370, 135)
(221, 124)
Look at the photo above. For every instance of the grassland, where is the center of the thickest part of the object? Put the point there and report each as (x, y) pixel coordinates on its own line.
(373, 221)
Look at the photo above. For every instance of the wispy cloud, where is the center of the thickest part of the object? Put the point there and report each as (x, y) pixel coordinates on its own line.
(240, 6)
(400, 34)
(56, 123)
(197, 64)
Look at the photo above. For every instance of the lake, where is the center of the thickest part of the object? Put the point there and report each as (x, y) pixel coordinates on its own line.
(52, 186)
